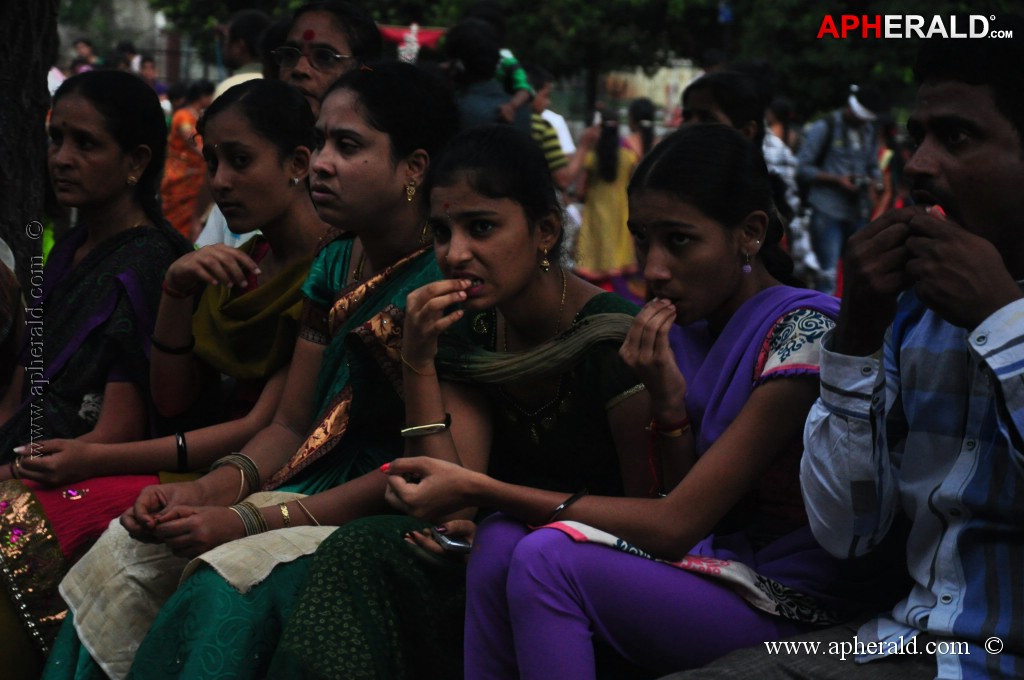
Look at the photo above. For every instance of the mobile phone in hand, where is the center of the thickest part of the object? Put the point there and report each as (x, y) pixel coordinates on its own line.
(448, 544)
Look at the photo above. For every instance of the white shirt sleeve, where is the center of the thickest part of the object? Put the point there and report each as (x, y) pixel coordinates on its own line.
(846, 475)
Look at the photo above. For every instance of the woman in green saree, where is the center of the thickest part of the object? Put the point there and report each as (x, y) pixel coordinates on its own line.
(337, 421)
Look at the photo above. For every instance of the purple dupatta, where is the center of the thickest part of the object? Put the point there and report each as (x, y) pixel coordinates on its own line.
(719, 371)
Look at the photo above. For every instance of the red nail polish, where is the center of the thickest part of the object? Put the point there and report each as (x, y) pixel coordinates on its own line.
(384, 468)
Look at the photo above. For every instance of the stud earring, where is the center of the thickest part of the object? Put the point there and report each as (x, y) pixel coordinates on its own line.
(294, 181)
(132, 180)
(410, 191)
(545, 263)
(746, 264)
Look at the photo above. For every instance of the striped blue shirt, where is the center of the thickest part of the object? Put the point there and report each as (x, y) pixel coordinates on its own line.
(933, 433)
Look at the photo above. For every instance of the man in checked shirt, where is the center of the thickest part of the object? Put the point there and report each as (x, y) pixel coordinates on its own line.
(922, 393)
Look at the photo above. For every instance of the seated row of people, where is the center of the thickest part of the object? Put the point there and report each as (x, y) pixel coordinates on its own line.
(437, 322)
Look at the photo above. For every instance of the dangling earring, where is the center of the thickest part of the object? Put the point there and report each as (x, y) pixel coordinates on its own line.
(545, 263)
(746, 264)
(132, 180)
(410, 191)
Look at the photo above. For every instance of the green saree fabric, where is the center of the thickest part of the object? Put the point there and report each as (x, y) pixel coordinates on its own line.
(207, 629)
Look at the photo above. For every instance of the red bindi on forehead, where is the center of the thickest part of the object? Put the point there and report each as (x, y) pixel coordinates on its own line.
(308, 34)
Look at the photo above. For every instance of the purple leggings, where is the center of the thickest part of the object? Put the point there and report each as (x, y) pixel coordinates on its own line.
(536, 600)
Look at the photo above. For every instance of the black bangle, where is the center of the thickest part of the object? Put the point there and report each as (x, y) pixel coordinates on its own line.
(566, 503)
(167, 349)
(182, 451)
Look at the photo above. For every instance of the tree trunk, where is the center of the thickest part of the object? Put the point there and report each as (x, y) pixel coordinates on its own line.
(28, 45)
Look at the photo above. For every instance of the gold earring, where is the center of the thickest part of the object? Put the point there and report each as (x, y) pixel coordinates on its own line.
(545, 263)
(132, 180)
(410, 191)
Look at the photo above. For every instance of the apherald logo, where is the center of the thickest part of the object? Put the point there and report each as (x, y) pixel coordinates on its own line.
(908, 26)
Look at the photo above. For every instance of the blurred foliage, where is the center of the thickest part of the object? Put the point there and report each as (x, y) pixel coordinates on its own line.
(95, 17)
(565, 35)
(574, 37)
(816, 74)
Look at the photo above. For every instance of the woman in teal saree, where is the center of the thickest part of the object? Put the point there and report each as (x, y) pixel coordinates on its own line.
(225, 618)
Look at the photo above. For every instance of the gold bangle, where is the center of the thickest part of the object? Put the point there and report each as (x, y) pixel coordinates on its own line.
(250, 473)
(308, 513)
(241, 487)
(285, 515)
(239, 513)
(252, 519)
(413, 368)
(428, 429)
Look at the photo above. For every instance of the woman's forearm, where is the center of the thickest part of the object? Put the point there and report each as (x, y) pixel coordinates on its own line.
(174, 374)
(201, 448)
(645, 522)
(424, 406)
(360, 497)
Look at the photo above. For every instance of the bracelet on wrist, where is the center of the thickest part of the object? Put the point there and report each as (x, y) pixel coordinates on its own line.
(673, 429)
(182, 446)
(565, 504)
(241, 486)
(428, 429)
(286, 517)
(308, 513)
(252, 519)
(168, 349)
(250, 473)
(413, 368)
(174, 293)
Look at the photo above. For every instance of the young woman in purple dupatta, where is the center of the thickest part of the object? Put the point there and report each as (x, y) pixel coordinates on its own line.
(725, 560)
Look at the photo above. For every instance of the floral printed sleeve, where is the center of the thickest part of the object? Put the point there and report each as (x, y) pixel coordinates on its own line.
(793, 346)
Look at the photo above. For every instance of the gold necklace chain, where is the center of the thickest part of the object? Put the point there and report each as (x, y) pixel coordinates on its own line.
(558, 323)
